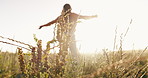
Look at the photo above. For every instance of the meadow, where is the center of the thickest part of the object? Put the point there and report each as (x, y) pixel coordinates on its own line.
(42, 63)
(39, 63)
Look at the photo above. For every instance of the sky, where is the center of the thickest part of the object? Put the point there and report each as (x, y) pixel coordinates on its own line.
(20, 19)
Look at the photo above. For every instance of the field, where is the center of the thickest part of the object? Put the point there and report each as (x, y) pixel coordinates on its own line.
(117, 64)
(42, 63)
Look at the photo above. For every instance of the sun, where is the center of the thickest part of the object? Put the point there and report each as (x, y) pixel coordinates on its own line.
(88, 36)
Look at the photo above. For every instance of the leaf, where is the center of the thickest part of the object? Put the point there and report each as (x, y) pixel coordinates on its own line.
(35, 38)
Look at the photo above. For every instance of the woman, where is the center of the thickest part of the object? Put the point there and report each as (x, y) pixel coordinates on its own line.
(70, 18)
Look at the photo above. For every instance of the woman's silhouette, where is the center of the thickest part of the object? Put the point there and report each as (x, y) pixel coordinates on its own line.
(71, 18)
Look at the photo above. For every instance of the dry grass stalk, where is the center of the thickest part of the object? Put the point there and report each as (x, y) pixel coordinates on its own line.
(33, 60)
(39, 53)
(15, 45)
(21, 60)
(114, 45)
(128, 64)
(46, 56)
(16, 41)
(120, 51)
(106, 55)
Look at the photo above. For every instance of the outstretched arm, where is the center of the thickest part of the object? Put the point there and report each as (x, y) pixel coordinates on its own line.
(87, 17)
(48, 24)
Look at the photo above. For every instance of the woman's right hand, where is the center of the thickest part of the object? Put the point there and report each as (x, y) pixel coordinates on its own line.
(41, 26)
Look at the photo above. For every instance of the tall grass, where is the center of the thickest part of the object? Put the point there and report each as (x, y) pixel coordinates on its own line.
(40, 63)
(88, 66)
